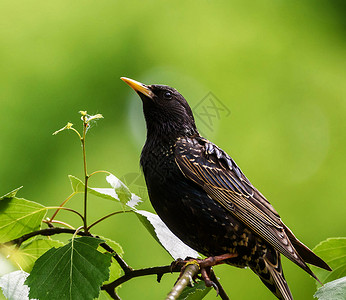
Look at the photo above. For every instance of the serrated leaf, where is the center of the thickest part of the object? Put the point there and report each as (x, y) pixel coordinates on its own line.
(197, 292)
(74, 271)
(174, 246)
(334, 290)
(18, 217)
(333, 252)
(13, 287)
(11, 194)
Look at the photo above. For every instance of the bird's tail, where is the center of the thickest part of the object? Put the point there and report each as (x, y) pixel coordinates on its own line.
(305, 253)
(271, 274)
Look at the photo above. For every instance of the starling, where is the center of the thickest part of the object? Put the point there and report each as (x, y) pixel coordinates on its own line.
(204, 198)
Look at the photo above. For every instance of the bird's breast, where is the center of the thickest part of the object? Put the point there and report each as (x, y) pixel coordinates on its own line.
(158, 165)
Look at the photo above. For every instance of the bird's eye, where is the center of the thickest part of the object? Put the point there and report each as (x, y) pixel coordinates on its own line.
(167, 95)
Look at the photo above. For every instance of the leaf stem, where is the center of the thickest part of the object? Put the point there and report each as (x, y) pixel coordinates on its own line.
(107, 216)
(61, 205)
(99, 171)
(77, 231)
(65, 208)
(76, 131)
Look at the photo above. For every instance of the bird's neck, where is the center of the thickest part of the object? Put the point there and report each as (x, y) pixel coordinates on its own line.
(166, 133)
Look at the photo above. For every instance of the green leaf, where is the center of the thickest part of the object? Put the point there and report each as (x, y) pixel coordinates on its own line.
(174, 246)
(197, 292)
(334, 290)
(333, 252)
(18, 217)
(12, 285)
(33, 249)
(78, 187)
(76, 184)
(74, 271)
(11, 194)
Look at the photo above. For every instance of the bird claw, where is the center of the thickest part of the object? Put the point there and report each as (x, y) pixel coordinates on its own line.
(216, 288)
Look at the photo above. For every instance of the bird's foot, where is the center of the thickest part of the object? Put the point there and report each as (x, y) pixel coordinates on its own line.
(205, 266)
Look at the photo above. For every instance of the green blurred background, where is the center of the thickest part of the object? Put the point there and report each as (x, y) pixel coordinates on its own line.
(277, 66)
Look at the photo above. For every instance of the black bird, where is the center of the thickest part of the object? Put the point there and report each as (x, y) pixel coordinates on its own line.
(205, 199)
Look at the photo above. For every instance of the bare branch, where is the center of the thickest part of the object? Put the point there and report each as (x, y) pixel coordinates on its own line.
(159, 271)
(45, 232)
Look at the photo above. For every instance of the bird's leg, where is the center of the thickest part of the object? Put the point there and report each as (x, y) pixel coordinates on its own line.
(215, 260)
(205, 273)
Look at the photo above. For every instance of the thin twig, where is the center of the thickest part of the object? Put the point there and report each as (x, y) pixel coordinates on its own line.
(85, 202)
(61, 205)
(184, 280)
(126, 268)
(86, 176)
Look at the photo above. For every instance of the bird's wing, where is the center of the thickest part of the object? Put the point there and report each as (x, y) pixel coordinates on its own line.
(211, 168)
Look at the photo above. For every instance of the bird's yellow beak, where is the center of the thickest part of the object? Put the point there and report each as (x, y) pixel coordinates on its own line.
(138, 87)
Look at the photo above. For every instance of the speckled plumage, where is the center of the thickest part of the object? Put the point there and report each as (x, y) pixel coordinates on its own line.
(206, 200)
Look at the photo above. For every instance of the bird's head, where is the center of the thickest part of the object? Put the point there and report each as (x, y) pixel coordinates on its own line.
(166, 111)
